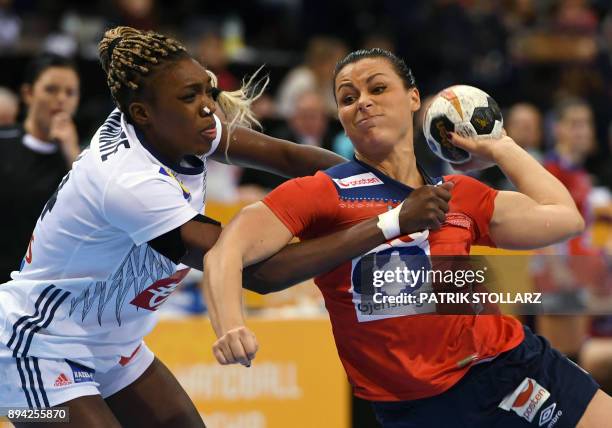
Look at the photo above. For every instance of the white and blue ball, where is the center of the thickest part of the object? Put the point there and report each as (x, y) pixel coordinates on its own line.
(466, 110)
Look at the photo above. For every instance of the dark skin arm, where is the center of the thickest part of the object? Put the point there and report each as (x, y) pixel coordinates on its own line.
(252, 149)
(425, 208)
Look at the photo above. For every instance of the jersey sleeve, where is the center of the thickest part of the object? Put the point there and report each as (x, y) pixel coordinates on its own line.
(146, 204)
(477, 200)
(304, 203)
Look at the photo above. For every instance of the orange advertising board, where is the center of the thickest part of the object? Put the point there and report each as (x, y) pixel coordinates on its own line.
(296, 379)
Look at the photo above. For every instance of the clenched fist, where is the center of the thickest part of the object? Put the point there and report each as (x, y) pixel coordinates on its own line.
(238, 345)
(425, 208)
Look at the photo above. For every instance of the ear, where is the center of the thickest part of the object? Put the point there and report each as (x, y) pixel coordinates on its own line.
(415, 99)
(26, 93)
(139, 113)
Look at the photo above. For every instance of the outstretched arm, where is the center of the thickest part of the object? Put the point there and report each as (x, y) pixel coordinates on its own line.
(541, 213)
(255, 234)
(252, 149)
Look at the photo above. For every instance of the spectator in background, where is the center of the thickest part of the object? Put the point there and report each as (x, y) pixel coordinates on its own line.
(9, 107)
(308, 124)
(574, 140)
(523, 123)
(141, 14)
(211, 53)
(36, 154)
(10, 25)
(321, 57)
(308, 121)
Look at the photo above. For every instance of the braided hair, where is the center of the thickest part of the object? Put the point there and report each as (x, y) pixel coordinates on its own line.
(128, 56)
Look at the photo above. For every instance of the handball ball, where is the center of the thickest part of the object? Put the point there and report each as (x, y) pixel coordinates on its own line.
(466, 110)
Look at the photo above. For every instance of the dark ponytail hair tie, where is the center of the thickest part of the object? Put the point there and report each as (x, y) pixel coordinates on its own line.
(112, 45)
(215, 92)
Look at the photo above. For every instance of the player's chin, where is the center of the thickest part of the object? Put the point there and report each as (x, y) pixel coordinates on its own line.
(202, 145)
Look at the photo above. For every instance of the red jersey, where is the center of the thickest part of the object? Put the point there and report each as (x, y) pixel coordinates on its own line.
(391, 355)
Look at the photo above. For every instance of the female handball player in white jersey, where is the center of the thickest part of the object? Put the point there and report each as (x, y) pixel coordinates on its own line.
(107, 248)
(417, 367)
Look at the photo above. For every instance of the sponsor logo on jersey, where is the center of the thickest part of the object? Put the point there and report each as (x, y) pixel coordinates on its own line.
(123, 361)
(359, 180)
(155, 294)
(81, 373)
(526, 399)
(62, 380)
(548, 415)
(374, 301)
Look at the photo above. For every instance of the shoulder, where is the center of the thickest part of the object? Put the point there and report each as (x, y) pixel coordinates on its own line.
(319, 184)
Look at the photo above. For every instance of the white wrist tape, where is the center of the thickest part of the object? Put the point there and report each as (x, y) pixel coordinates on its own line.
(389, 222)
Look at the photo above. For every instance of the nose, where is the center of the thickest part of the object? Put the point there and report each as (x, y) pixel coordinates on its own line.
(208, 108)
(364, 103)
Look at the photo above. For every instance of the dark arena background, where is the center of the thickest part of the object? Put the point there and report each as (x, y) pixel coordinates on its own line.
(547, 64)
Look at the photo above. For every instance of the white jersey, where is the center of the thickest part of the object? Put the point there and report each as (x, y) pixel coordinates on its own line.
(89, 283)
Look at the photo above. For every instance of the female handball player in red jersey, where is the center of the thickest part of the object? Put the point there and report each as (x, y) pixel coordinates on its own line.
(123, 228)
(417, 370)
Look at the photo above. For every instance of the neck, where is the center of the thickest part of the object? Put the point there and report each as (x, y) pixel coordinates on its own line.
(399, 164)
(163, 149)
(36, 130)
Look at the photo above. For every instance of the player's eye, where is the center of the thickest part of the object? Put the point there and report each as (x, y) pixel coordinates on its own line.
(379, 89)
(188, 97)
(348, 99)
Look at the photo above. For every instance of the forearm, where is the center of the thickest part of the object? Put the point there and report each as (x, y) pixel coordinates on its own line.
(306, 160)
(531, 178)
(298, 262)
(252, 149)
(223, 289)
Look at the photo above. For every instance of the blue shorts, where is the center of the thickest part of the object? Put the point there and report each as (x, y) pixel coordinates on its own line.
(531, 385)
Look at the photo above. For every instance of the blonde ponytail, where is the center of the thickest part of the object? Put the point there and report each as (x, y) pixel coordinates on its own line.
(236, 105)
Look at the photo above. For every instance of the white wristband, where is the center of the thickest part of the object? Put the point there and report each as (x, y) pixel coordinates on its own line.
(389, 222)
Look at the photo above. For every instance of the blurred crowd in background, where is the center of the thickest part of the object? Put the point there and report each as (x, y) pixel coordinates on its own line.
(530, 55)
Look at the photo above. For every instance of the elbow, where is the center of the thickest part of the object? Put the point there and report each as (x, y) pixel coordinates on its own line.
(210, 260)
(578, 225)
(573, 225)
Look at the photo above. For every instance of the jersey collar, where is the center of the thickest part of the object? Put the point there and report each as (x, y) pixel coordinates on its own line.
(388, 180)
